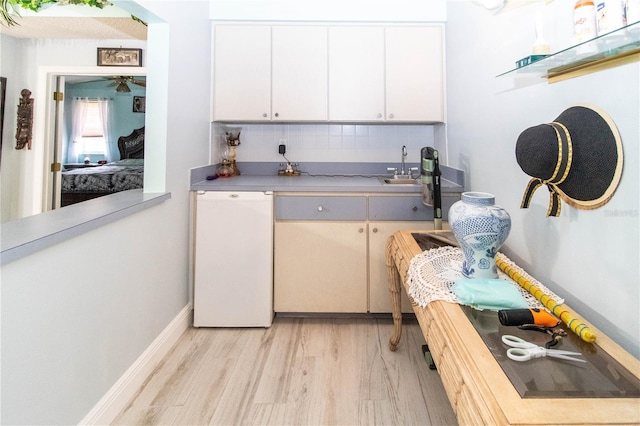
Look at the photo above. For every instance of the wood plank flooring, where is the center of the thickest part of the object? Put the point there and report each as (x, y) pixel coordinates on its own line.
(300, 371)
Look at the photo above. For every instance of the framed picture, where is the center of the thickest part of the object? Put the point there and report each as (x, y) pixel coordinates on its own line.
(119, 57)
(138, 104)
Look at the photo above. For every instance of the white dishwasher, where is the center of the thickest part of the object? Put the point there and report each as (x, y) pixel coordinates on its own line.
(233, 277)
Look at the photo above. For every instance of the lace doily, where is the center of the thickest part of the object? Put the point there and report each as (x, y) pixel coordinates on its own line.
(432, 273)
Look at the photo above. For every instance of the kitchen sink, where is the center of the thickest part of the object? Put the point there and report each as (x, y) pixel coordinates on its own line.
(400, 181)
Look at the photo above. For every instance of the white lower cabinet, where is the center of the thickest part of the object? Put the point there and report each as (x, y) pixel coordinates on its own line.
(379, 233)
(329, 250)
(320, 267)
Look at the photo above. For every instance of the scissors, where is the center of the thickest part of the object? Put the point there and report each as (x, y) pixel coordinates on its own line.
(521, 350)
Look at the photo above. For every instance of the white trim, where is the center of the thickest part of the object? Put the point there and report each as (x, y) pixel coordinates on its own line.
(329, 10)
(120, 394)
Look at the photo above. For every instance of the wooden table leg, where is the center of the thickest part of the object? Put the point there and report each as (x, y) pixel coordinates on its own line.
(395, 287)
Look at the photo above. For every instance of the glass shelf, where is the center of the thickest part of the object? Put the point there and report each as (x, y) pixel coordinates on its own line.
(622, 45)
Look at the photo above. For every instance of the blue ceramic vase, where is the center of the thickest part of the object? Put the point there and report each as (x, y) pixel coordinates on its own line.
(481, 228)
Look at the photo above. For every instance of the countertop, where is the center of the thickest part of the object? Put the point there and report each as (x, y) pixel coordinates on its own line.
(23, 237)
(321, 177)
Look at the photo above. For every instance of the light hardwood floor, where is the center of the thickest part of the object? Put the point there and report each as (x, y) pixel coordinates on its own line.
(300, 371)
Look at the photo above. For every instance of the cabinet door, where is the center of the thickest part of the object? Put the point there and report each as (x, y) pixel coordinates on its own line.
(299, 66)
(242, 73)
(320, 267)
(379, 295)
(356, 73)
(414, 74)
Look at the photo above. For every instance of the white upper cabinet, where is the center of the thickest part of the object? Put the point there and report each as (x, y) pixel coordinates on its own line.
(328, 73)
(392, 74)
(299, 73)
(356, 74)
(242, 73)
(414, 74)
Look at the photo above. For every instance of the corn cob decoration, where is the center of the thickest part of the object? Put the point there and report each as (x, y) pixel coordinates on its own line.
(568, 318)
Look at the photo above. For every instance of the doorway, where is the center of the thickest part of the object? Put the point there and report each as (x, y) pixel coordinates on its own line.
(125, 115)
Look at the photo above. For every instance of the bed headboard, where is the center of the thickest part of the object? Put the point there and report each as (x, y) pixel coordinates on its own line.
(132, 146)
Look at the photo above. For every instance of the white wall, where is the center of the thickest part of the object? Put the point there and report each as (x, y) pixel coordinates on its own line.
(77, 315)
(12, 170)
(588, 257)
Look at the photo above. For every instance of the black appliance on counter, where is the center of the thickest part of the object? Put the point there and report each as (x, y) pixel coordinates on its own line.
(431, 191)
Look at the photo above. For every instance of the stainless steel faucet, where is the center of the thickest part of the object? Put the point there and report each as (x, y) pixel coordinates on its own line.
(404, 154)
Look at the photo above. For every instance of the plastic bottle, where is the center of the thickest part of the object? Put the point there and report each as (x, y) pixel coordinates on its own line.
(633, 12)
(610, 15)
(584, 21)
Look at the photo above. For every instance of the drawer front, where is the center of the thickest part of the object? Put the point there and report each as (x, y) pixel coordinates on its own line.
(406, 207)
(321, 208)
(398, 208)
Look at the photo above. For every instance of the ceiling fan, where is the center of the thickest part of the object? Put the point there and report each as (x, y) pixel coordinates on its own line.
(121, 82)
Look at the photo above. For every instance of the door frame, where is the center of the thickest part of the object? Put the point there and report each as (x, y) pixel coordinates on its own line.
(46, 119)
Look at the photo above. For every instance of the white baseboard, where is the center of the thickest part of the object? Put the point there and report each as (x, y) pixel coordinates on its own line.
(120, 394)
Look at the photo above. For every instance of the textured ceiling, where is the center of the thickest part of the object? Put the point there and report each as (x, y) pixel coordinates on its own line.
(76, 28)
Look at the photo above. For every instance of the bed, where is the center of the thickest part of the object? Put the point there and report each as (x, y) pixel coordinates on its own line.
(83, 184)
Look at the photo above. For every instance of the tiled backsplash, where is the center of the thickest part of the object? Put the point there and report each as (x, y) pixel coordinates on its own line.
(325, 142)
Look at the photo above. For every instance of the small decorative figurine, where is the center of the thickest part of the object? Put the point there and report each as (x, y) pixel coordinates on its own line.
(233, 140)
(25, 120)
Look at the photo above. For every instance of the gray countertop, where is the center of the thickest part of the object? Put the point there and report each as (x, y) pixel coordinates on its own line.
(31, 234)
(327, 178)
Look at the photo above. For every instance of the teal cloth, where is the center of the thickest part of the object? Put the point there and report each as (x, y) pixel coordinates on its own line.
(487, 293)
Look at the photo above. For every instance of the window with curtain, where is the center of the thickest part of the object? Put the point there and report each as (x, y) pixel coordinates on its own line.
(92, 134)
(91, 129)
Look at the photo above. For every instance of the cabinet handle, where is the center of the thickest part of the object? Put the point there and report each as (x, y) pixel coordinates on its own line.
(391, 116)
(264, 115)
(277, 115)
(415, 208)
(361, 230)
(320, 208)
(375, 230)
(379, 115)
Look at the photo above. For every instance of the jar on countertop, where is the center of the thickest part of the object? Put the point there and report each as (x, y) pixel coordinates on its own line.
(224, 169)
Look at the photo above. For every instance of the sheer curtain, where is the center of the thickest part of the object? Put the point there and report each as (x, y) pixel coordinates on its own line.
(79, 114)
(80, 106)
(104, 106)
